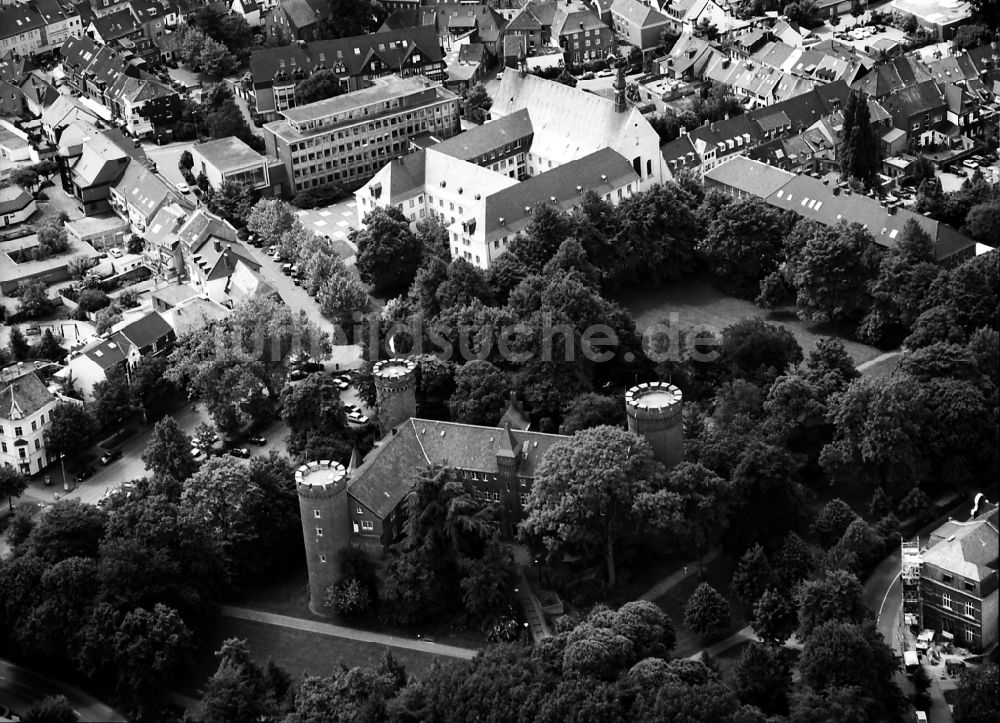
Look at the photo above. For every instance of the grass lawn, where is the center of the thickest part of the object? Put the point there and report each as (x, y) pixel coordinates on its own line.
(289, 595)
(718, 573)
(697, 301)
(300, 653)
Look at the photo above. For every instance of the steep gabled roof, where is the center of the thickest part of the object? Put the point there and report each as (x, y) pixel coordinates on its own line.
(22, 396)
(144, 331)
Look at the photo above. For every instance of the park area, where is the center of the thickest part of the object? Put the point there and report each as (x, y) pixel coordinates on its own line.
(696, 301)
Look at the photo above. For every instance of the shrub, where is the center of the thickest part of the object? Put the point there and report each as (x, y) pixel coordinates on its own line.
(92, 300)
(348, 597)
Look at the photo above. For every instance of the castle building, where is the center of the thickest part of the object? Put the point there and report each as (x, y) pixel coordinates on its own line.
(363, 507)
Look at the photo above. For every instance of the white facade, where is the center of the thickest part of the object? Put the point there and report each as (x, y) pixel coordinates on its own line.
(22, 431)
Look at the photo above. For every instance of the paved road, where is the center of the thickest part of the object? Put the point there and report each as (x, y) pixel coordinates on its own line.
(660, 588)
(20, 688)
(337, 631)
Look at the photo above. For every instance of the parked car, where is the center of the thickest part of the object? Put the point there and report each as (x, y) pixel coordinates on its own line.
(111, 456)
(84, 474)
(260, 441)
(241, 452)
(341, 383)
(606, 73)
(183, 188)
(115, 252)
(272, 250)
(286, 269)
(971, 164)
(297, 375)
(587, 76)
(197, 454)
(357, 418)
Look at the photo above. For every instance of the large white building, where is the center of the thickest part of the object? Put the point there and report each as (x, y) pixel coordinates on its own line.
(26, 407)
(547, 143)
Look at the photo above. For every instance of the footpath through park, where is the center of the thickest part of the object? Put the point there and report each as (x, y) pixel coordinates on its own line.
(337, 631)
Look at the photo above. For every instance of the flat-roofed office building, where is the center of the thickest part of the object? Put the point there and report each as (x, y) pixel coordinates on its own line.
(347, 139)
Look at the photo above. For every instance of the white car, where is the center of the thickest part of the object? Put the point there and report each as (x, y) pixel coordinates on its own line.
(183, 188)
(969, 163)
(115, 252)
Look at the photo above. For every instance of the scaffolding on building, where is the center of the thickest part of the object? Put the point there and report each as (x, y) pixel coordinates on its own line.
(911, 581)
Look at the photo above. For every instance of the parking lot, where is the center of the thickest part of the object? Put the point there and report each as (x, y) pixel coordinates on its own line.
(334, 222)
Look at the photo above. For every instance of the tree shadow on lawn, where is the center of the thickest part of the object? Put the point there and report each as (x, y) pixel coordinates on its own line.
(719, 574)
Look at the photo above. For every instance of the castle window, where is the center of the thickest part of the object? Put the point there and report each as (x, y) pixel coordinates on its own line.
(355, 528)
(367, 525)
(322, 558)
(945, 600)
(359, 510)
(316, 514)
(970, 586)
(524, 499)
(970, 609)
(319, 532)
(945, 577)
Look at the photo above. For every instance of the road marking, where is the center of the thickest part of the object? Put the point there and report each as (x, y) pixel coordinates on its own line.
(886, 597)
(319, 223)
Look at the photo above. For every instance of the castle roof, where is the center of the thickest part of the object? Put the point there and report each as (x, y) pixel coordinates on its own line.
(380, 483)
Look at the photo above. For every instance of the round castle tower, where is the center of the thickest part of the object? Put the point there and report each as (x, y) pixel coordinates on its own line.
(396, 386)
(326, 524)
(654, 411)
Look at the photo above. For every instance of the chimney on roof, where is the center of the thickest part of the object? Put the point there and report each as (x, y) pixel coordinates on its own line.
(619, 86)
(217, 244)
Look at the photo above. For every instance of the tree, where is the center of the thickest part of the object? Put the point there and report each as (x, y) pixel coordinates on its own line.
(831, 274)
(13, 483)
(67, 591)
(757, 352)
(186, 161)
(753, 576)
(312, 407)
(831, 522)
(52, 709)
(977, 696)
(239, 690)
(168, 452)
(763, 679)
(840, 654)
(320, 85)
(837, 596)
(481, 394)
(138, 650)
(388, 251)
(233, 201)
(477, 103)
(972, 36)
(106, 318)
(34, 299)
(151, 393)
(216, 60)
(803, 12)
(767, 498)
(591, 410)
(343, 298)
(48, 348)
(909, 25)
(112, 399)
(858, 155)
(69, 529)
(463, 284)
(862, 542)
(223, 117)
(774, 616)
(584, 491)
(71, 429)
(706, 611)
(270, 219)
(20, 349)
(983, 220)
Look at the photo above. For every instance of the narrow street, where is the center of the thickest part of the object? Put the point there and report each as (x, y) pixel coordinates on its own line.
(20, 688)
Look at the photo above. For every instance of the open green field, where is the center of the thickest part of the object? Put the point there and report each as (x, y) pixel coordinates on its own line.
(300, 653)
(697, 301)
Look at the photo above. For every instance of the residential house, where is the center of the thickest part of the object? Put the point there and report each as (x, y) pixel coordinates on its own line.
(296, 20)
(249, 10)
(958, 580)
(26, 407)
(918, 109)
(163, 253)
(830, 204)
(211, 252)
(689, 58)
(345, 140)
(638, 24)
(140, 194)
(757, 85)
(89, 9)
(101, 232)
(892, 76)
(61, 22)
(581, 34)
(90, 163)
(155, 20)
(11, 99)
(123, 348)
(534, 24)
(454, 23)
(16, 205)
(122, 25)
(469, 69)
(21, 31)
(356, 60)
(711, 13)
(37, 94)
